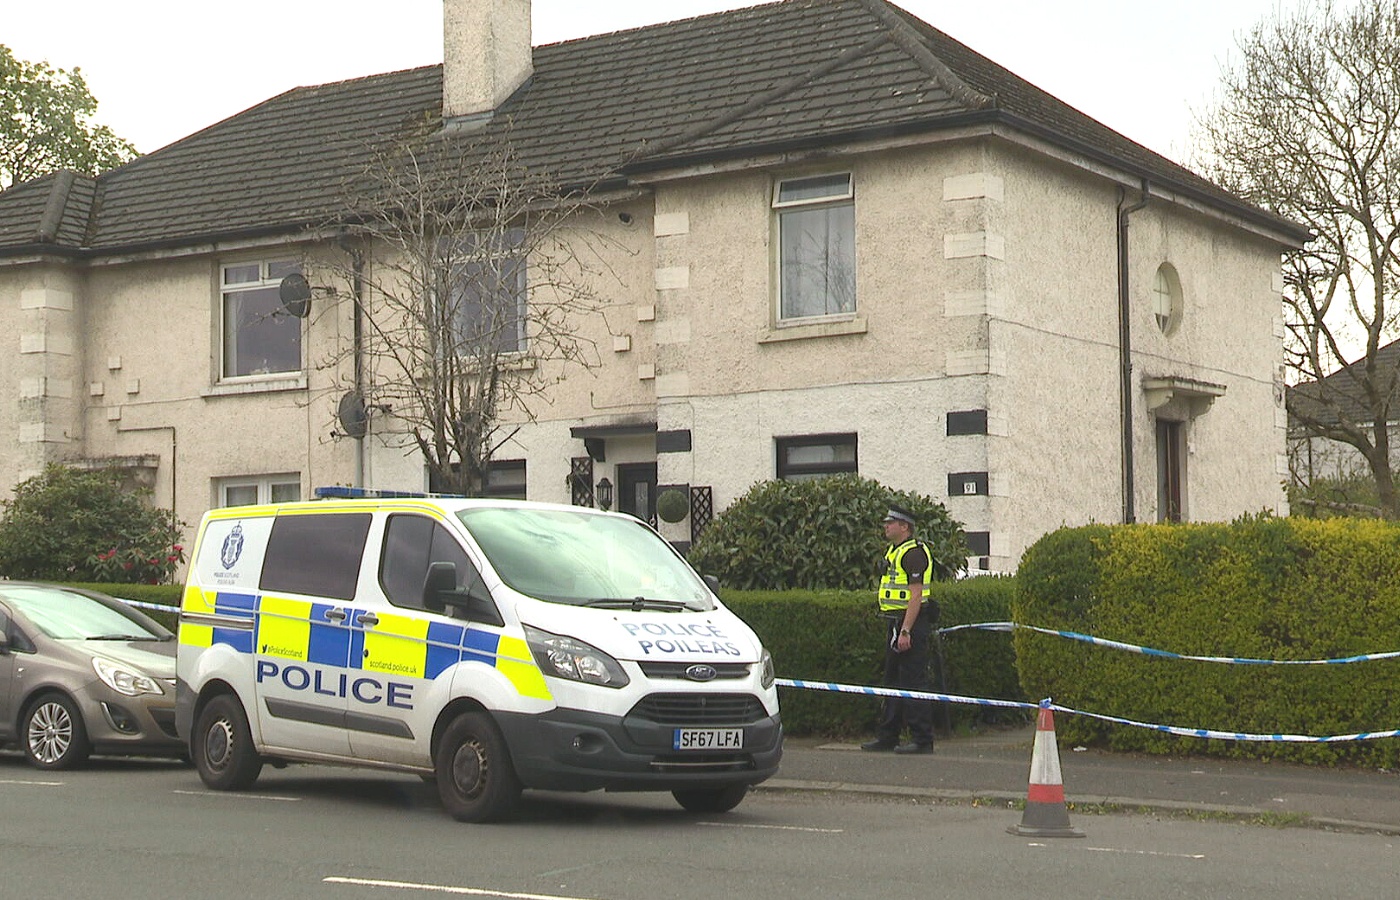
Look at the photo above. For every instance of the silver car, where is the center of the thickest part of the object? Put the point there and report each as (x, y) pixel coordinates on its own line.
(82, 672)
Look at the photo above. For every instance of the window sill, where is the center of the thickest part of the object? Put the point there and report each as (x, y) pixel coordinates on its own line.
(295, 381)
(782, 333)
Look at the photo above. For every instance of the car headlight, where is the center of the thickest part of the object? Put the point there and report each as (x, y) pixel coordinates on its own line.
(124, 679)
(564, 657)
(769, 673)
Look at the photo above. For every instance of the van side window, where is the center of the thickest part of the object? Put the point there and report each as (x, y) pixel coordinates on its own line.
(410, 544)
(315, 554)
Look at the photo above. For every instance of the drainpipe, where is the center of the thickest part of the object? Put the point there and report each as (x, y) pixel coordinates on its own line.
(1125, 348)
(357, 291)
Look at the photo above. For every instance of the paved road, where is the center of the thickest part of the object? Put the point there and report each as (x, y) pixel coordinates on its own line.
(150, 830)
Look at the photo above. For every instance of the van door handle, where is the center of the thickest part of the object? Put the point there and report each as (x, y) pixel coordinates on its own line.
(335, 615)
(367, 619)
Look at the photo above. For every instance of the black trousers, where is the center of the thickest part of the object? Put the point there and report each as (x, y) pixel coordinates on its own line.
(907, 671)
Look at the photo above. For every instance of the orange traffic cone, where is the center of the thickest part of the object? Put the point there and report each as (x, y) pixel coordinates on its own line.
(1046, 814)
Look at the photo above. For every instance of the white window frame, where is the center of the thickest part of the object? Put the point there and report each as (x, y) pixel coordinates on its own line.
(271, 271)
(266, 488)
(1167, 300)
(502, 247)
(783, 211)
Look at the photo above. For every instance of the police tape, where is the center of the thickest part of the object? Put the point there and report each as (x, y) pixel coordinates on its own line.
(1054, 707)
(141, 604)
(1167, 654)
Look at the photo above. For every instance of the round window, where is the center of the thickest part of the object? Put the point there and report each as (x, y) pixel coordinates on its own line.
(1166, 298)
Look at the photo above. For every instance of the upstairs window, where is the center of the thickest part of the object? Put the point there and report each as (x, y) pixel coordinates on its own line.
(816, 246)
(488, 301)
(1166, 299)
(259, 336)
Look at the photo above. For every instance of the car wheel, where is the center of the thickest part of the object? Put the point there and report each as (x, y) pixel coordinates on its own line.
(475, 777)
(223, 746)
(711, 800)
(54, 734)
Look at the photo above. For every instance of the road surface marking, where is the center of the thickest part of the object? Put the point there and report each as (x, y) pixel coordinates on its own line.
(236, 796)
(444, 889)
(773, 827)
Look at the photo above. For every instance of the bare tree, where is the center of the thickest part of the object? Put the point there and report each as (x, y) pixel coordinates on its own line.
(473, 278)
(1305, 126)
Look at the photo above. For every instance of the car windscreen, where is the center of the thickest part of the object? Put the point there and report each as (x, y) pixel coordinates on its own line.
(585, 559)
(64, 615)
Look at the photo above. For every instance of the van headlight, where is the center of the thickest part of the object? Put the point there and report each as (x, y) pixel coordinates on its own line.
(564, 657)
(125, 679)
(769, 674)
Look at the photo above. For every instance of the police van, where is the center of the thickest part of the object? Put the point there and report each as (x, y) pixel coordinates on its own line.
(489, 645)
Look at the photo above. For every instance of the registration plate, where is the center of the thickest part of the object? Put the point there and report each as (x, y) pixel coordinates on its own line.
(707, 739)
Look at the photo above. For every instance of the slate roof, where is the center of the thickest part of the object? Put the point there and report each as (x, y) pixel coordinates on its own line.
(799, 73)
(1340, 398)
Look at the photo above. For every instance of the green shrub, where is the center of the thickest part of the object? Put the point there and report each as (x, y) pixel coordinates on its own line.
(1258, 588)
(672, 505)
(836, 636)
(817, 535)
(85, 525)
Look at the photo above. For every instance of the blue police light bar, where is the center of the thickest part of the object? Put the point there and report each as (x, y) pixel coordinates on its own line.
(341, 492)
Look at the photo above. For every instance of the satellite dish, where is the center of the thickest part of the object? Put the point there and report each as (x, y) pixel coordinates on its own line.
(352, 415)
(295, 293)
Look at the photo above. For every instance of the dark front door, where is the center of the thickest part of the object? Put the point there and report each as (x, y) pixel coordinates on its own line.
(636, 490)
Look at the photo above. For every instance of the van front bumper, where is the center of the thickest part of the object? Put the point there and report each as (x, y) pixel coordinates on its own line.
(576, 750)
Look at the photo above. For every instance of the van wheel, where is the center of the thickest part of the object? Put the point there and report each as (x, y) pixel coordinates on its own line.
(711, 800)
(223, 746)
(54, 734)
(475, 776)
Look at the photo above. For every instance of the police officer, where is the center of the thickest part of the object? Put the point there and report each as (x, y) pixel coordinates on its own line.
(909, 616)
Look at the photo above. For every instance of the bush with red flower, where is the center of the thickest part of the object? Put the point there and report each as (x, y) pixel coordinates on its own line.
(83, 525)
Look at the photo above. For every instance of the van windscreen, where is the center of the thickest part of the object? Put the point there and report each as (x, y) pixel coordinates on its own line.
(584, 559)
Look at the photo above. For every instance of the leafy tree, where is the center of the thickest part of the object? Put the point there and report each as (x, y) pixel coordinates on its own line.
(86, 525)
(1305, 126)
(45, 124)
(471, 275)
(823, 533)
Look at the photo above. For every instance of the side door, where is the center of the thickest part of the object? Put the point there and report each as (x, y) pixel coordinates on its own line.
(636, 490)
(402, 649)
(302, 650)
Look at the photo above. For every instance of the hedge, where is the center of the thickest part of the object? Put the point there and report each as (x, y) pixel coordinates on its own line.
(837, 636)
(1257, 588)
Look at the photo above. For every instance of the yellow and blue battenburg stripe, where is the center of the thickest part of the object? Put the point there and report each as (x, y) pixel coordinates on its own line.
(348, 637)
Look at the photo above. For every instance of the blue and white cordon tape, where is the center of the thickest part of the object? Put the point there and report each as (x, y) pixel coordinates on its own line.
(1046, 704)
(1167, 654)
(141, 604)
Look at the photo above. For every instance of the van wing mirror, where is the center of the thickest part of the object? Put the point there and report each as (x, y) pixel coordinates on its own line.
(475, 604)
(441, 580)
(712, 583)
(4, 642)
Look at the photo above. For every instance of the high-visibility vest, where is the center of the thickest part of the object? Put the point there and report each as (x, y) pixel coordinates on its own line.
(894, 584)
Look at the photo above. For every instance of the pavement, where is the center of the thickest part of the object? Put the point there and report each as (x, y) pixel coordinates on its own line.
(994, 766)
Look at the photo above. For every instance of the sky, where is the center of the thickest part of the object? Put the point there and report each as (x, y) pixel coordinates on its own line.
(164, 69)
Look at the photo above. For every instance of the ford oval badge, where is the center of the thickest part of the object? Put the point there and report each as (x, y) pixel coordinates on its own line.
(702, 673)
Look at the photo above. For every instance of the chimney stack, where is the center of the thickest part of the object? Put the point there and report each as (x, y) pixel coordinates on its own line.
(486, 55)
